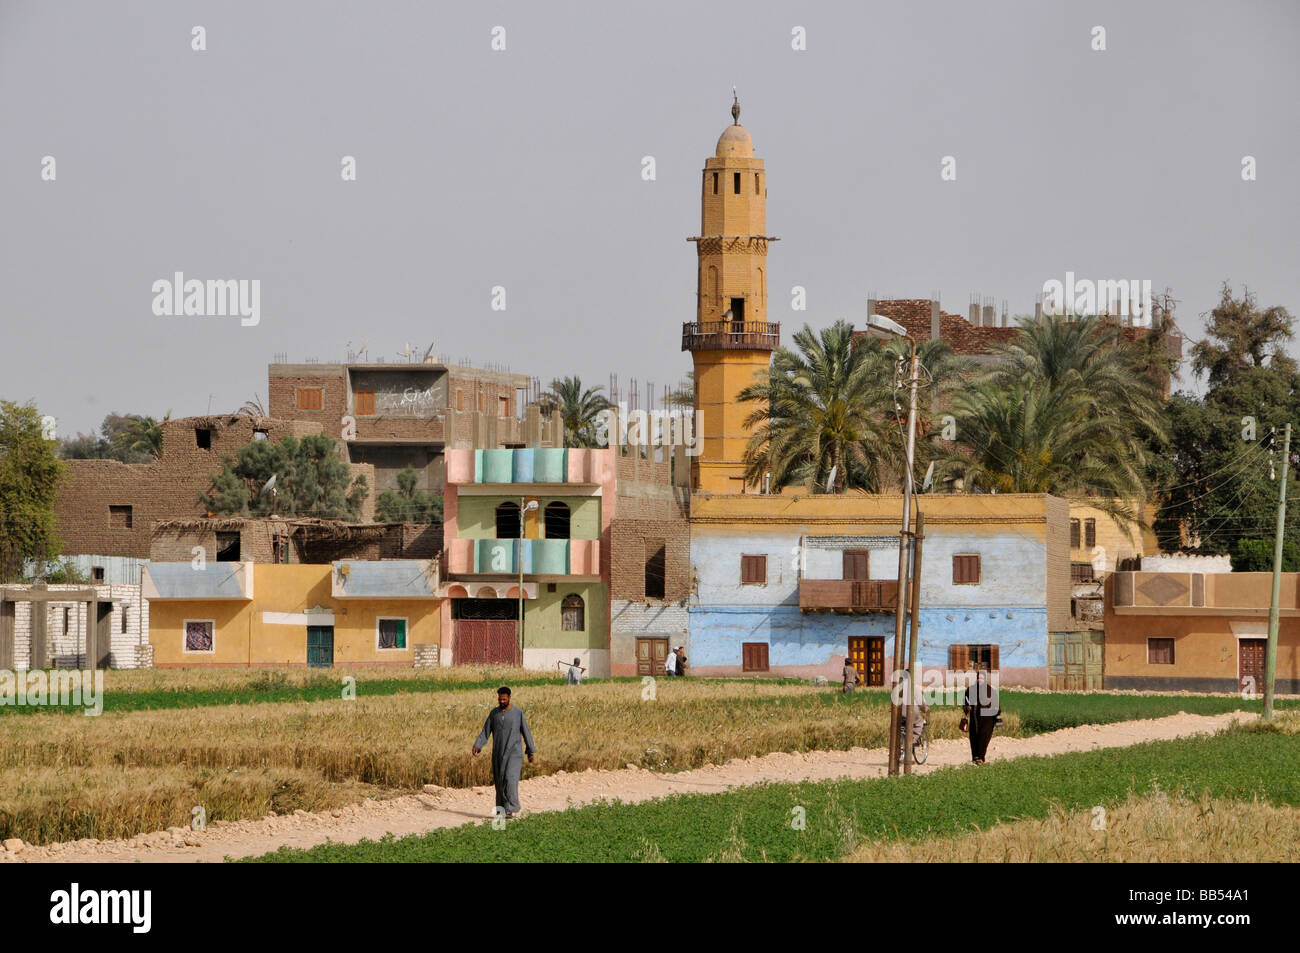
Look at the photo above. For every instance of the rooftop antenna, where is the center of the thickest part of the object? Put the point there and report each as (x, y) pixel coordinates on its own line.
(427, 355)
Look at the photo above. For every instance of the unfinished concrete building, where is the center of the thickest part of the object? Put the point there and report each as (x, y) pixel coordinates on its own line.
(304, 541)
(394, 416)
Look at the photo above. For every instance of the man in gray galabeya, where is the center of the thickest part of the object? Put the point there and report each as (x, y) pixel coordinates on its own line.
(507, 726)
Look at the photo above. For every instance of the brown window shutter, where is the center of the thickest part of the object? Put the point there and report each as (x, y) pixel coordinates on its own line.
(959, 657)
(994, 661)
(1090, 533)
(1074, 534)
(956, 571)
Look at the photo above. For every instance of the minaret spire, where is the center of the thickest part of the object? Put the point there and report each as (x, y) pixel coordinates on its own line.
(735, 107)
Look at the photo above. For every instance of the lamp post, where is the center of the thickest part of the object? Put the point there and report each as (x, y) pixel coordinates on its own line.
(525, 507)
(880, 326)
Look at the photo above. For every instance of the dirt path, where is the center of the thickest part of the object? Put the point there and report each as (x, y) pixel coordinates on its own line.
(452, 807)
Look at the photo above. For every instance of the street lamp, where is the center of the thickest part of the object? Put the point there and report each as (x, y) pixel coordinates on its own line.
(879, 326)
(525, 507)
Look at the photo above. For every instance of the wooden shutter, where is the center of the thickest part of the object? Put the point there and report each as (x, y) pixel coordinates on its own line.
(1074, 534)
(1090, 533)
(365, 400)
(856, 564)
(753, 656)
(753, 570)
(965, 570)
(994, 659)
(958, 658)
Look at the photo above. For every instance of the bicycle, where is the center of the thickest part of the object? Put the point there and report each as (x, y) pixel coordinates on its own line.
(920, 748)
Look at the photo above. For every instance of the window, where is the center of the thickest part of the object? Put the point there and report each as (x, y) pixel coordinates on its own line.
(96, 573)
(260, 434)
(550, 587)
(365, 403)
(310, 398)
(460, 399)
(753, 657)
(736, 183)
(753, 570)
(756, 192)
(738, 311)
(508, 520)
(715, 183)
(1090, 533)
(503, 406)
(279, 549)
(67, 621)
(227, 547)
(480, 402)
(1160, 651)
(1081, 572)
(390, 634)
(119, 517)
(557, 520)
(656, 560)
(126, 615)
(855, 564)
(966, 570)
(199, 638)
(571, 613)
(203, 438)
(965, 658)
(1074, 534)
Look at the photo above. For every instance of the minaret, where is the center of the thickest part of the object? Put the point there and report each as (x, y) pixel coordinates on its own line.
(730, 340)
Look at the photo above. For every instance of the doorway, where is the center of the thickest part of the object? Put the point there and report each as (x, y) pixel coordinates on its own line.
(320, 646)
(1250, 664)
(650, 656)
(867, 655)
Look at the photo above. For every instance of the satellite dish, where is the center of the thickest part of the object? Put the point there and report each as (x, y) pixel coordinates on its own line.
(427, 354)
(928, 482)
(830, 480)
(268, 487)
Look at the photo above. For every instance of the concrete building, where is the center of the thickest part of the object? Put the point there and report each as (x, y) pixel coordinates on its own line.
(294, 540)
(238, 615)
(394, 416)
(540, 517)
(792, 585)
(1199, 632)
(51, 627)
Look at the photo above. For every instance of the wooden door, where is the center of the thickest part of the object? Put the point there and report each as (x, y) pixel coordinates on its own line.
(1250, 664)
(855, 564)
(99, 648)
(320, 646)
(1094, 659)
(867, 655)
(651, 654)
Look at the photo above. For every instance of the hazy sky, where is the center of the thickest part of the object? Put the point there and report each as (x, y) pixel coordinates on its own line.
(523, 169)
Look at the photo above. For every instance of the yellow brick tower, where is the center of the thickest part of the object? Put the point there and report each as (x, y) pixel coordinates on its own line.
(730, 339)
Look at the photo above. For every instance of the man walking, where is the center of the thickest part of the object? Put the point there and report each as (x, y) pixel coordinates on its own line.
(575, 673)
(670, 663)
(981, 710)
(507, 726)
(850, 676)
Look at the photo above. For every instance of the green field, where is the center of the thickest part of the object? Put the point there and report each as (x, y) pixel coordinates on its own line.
(755, 824)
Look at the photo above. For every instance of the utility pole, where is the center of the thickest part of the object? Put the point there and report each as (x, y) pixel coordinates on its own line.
(895, 741)
(913, 638)
(1270, 654)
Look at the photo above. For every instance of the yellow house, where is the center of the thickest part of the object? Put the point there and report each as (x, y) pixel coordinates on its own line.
(247, 614)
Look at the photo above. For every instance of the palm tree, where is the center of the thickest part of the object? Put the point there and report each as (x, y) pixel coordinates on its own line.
(579, 409)
(1069, 410)
(822, 416)
(683, 395)
(252, 408)
(143, 435)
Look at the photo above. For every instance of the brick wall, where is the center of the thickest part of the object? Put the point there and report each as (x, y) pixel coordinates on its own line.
(67, 645)
(649, 512)
(1059, 587)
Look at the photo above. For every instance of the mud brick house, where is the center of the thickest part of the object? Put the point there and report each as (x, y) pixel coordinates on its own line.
(1199, 632)
(292, 541)
(650, 564)
(394, 416)
(109, 508)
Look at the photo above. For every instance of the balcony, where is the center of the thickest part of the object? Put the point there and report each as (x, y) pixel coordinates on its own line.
(730, 335)
(533, 465)
(541, 557)
(848, 595)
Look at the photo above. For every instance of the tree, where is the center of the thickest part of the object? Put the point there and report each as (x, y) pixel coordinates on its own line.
(252, 408)
(579, 409)
(121, 437)
(1070, 408)
(29, 481)
(408, 504)
(1218, 477)
(1256, 555)
(310, 480)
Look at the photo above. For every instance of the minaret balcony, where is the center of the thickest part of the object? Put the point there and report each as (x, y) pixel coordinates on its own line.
(730, 335)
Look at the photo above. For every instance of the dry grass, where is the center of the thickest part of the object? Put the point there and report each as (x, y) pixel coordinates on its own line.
(127, 772)
(1157, 828)
(220, 679)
